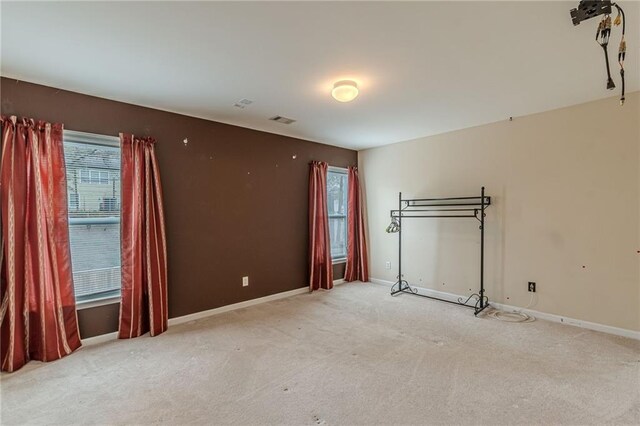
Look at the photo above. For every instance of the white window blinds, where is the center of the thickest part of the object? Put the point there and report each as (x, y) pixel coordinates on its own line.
(93, 188)
(337, 192)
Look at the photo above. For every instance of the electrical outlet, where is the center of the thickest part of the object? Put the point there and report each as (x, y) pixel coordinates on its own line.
(387, 265)
(245, 281)
(532, 287)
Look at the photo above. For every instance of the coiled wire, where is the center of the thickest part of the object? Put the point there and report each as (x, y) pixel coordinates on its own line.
(515, 316)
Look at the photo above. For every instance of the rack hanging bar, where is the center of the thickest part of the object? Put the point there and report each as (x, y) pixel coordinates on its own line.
(441, 201)
(477, 205)
(445, 205)
(470, 209)
(434, 216)
(443, 198)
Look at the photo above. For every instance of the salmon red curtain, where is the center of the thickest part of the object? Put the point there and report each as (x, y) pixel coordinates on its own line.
(321, 270)
(38, 304)
(356, 267)
(143, 243)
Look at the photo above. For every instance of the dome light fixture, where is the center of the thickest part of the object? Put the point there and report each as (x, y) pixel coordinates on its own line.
(345, 90)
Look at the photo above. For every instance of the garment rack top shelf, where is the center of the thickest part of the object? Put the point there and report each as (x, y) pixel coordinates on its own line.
(434, 207)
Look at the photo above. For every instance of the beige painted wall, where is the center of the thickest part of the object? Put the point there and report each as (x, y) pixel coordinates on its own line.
(565, 214)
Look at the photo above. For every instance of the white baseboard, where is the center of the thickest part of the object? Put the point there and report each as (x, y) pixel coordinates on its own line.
(429, 292)
(632, 334)
(203, 314)
(239, 305)
(624, 332)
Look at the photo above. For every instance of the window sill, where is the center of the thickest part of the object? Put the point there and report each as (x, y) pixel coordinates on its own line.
(93, 303)
(338, 261)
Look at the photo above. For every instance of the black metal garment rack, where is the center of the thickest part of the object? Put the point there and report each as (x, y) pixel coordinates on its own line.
(454, 207)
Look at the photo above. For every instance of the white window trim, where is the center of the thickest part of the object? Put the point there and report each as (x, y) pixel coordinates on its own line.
(338, 170)
(99, 301)
(345, 171)
(91, 138)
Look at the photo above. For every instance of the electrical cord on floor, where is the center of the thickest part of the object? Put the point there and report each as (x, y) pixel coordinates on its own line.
(515, 316)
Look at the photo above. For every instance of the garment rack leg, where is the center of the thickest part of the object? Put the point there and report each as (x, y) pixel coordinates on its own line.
(482, 249)
(399, 241)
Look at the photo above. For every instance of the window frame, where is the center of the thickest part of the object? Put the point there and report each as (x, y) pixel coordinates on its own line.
(85, 175)
(104, 298)
(344, 171)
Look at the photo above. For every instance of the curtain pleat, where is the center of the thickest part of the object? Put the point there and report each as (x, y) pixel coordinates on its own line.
(143, 241)
(38, 315)
(321, 270)
(356, 267)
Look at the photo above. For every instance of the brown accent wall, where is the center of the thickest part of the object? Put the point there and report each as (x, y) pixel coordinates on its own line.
(235, 199)
(99, 320)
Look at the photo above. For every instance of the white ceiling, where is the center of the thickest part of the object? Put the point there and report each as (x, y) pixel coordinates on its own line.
(423, 67)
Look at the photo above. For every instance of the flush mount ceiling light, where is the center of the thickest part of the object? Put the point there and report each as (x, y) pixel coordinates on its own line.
(345, 91)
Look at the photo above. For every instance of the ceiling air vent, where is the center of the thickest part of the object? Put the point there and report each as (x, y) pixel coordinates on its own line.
(283, 120)
(242, 103)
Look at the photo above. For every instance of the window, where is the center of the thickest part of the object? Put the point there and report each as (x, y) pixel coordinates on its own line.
(97, 177)
(93, 193)
(337, 191)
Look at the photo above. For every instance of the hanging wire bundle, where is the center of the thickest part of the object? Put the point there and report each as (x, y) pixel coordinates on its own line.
(602, 37)
(591, 8)
(622, 49)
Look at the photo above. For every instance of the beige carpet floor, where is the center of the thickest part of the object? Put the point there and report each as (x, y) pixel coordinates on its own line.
(352, 356)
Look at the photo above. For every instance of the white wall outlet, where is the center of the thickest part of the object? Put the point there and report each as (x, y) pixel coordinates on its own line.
(245, 281)
(387, 265)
